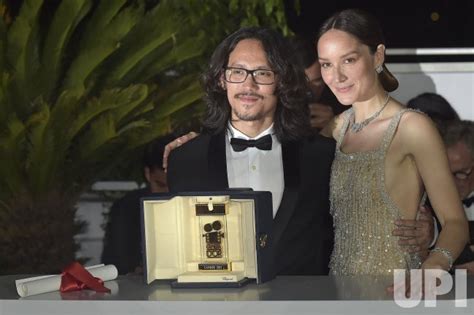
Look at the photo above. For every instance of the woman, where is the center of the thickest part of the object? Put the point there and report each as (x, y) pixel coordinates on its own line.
(386, 157)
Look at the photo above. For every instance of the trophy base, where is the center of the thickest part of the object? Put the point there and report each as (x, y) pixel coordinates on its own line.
(197, 285)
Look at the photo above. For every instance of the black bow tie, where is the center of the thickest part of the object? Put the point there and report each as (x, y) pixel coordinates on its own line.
(468, 202)
(263, 143)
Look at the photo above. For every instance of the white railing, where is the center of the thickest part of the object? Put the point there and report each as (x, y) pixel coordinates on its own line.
(429, 51)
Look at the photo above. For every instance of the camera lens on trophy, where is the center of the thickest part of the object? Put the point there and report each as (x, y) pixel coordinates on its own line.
(208, 227)
(216, 225)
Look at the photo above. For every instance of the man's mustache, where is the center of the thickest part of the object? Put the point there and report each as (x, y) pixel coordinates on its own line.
(248, 94)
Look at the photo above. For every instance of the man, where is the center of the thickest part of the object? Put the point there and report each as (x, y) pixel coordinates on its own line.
(323, 105)
(435, 106)
(122, 240)
(255, 92)
(458, 136)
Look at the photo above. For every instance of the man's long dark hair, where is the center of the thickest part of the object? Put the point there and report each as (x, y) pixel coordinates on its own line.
(291, 121)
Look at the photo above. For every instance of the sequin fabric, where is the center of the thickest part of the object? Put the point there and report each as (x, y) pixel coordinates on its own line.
(363, 211)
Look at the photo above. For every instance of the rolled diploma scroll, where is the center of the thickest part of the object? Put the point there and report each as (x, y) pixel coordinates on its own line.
(43, 284)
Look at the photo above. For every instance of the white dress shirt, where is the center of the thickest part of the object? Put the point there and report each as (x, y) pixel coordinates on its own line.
(255, 168)
(470, 210)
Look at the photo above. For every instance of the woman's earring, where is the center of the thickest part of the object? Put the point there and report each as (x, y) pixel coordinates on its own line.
(379, 69)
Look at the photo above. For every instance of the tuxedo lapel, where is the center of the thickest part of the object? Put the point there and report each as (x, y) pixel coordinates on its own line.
(217, 162)
(291, 171)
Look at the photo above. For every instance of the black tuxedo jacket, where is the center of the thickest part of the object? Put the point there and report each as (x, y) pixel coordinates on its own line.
(302, 228)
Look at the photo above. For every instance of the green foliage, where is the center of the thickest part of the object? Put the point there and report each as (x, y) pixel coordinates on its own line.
(83, 85)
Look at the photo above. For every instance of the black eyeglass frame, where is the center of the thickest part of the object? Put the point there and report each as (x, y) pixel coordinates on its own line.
(247, 72)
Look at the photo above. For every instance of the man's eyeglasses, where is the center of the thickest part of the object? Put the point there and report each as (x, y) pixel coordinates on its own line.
(239, 75)
(462, 174)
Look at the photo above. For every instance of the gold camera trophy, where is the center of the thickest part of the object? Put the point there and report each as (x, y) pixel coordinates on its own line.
(213, 229)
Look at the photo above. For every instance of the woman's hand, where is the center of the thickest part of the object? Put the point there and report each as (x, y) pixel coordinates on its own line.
(321, 115)
(176, 143)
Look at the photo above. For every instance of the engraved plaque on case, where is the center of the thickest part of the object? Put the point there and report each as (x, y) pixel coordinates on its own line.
(203, 209)
(213, 267)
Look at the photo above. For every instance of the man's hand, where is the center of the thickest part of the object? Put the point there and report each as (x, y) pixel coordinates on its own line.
(469, 266)
(176, 143)
(321, 115)
(415, 235)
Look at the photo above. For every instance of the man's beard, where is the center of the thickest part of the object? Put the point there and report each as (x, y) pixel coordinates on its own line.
(247, 116)
(241, 115)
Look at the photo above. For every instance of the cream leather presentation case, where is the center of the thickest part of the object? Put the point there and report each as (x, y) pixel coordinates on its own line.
(208, 239)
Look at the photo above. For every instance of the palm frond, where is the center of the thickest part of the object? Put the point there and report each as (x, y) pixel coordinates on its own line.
(5, 105)
(64, 112)
(84, 113)
(12, 180)
(171, 54)
(152, 31)
(100, 132)
(41, 161)
(103, 124)
(172, 103)
(128, 99)
(20, 54)
(66, 18)
(136, 138)
(133, 125)
(94, 50)
(19, 34)
(3, 46)
(102, 16)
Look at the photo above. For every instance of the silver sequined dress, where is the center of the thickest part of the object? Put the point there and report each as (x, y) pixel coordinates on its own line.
(363, 211)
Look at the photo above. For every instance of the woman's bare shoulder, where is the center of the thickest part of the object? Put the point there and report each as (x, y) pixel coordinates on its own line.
(417, 126)
(416, 119)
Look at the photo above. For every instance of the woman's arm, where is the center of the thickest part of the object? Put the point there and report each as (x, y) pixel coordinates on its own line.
(421, 140)
(176, 143)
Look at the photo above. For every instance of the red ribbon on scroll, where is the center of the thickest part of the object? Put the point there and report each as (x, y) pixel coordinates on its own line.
(75, 277)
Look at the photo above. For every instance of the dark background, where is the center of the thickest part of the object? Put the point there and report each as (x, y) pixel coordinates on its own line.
(406, 24)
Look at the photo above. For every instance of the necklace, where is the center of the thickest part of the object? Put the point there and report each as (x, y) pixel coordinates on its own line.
(356, 127)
